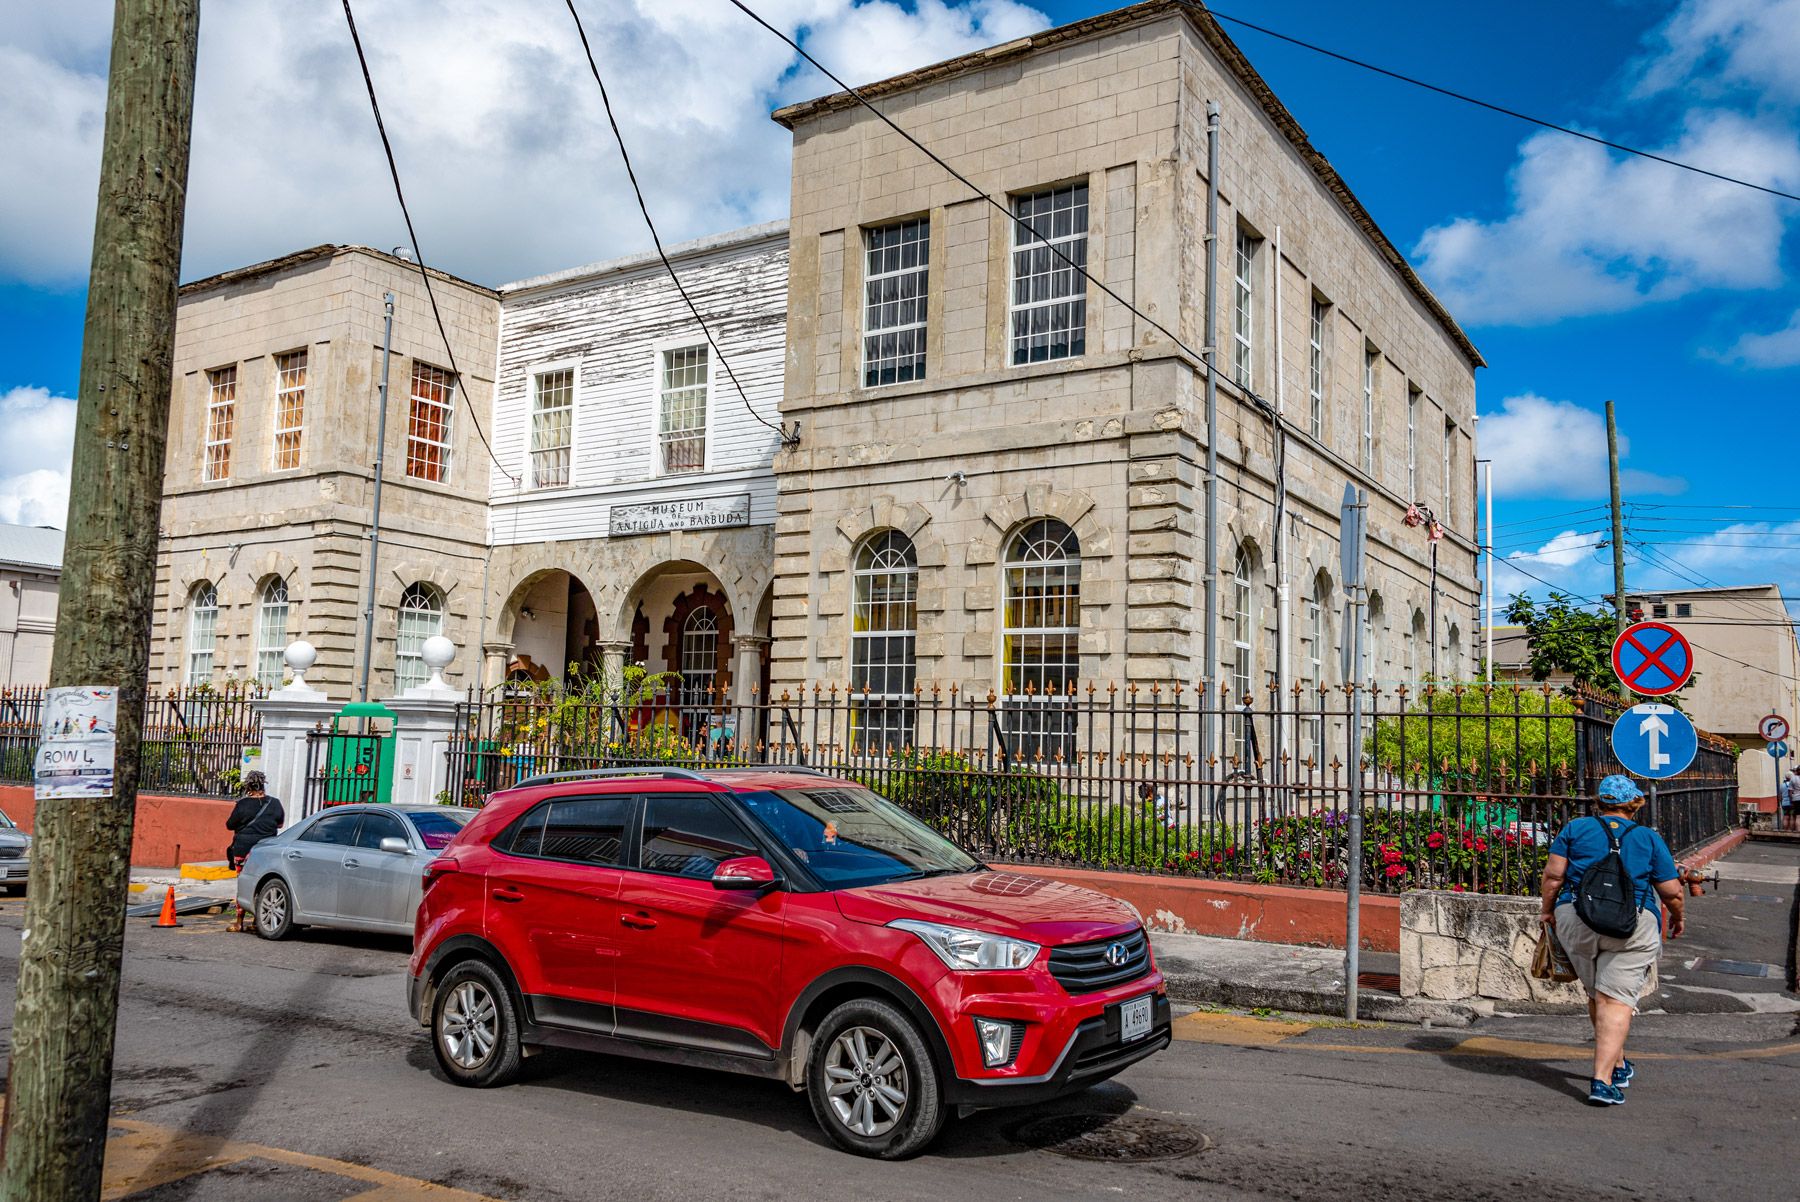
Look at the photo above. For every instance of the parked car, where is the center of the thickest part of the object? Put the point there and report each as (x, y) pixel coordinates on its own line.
(352, 866)
(783, 924)
(15, 856)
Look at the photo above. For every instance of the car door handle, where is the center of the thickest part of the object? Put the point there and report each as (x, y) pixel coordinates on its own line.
(638, 922)
(508, 894)
(349, 863)
(293, 855)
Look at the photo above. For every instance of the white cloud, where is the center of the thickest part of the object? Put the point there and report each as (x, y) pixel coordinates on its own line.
(497, 125)
(1592, 232)
(1777, 348)
(34, 456)
(1546, 448)
(1711, 45)
(1565, 550)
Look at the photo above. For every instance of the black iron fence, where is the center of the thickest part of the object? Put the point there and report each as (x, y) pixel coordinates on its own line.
(342, 768)
(1462, 786)
(193, 741)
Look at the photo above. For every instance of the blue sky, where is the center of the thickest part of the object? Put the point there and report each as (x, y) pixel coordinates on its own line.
(1580, 274)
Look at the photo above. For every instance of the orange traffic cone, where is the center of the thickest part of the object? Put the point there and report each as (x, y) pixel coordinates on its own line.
(168, 911)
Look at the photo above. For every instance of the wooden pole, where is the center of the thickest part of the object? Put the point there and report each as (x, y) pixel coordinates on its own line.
(59, 1089)
(1621, 621)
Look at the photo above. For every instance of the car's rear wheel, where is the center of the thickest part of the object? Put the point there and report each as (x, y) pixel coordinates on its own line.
(872, 1083)
(274, 909)
(474, 1028)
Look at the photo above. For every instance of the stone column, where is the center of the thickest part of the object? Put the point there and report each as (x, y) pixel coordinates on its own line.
(750, 648)
(613, 658)
(288, 716)
(496, 654)
(425, 719)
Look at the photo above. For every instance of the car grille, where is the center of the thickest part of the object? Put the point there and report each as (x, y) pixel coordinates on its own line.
(12, 853)
(1084, 968)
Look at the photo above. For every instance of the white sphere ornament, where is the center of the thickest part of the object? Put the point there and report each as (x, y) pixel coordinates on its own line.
(299, 656)
(437, 652)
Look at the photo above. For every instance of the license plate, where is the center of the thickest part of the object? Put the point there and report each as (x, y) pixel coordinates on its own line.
(1134, 1019)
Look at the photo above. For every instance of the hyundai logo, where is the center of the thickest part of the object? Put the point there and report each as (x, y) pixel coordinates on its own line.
(1117, 955)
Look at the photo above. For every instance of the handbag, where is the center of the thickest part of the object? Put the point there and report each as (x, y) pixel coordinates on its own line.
(1549, 962)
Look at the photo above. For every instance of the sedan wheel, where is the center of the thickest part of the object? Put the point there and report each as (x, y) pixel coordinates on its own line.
(274, 910)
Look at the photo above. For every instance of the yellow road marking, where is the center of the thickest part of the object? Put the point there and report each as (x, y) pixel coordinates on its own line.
(147, 1155)
(1241, 1030)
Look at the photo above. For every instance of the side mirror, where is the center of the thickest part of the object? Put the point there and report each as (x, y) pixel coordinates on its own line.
(745, 873)
(397, 845)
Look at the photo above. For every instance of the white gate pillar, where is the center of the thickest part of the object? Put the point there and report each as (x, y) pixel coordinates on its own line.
(288, 715)
(424, 721)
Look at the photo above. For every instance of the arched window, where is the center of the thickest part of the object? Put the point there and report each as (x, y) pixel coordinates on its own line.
(271, 630)
(1243, 614)
(1041, 633)
(202, 632)
(1418, 649)
(699, 656)
(1317, 637)
(883, 632)
(1374, 640)
(1453, 665)
(421, 618)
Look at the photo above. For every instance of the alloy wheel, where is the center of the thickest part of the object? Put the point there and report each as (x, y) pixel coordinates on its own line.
(469, 1025)
(271, 908)
(866, 1077)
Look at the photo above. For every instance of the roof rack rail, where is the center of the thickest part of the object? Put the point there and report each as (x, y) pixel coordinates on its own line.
(544, 778)
(805, 769)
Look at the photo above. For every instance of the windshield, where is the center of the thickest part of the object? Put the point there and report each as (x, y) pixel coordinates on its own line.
(849, 836)
(436, 830)
(7, 824)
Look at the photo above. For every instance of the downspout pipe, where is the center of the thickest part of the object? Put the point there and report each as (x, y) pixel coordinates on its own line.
(1284, 599)
(1209, 651)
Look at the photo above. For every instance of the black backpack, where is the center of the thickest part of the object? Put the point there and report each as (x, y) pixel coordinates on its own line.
(1607, 898)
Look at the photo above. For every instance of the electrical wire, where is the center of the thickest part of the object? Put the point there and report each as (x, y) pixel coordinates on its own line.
(1501, 109)
(387, 147)
(656, 238)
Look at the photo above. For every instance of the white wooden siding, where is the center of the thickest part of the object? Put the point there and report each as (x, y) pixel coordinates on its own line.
(612, 326)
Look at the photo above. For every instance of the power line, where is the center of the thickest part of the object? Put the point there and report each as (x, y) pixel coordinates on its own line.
(1502, 109)
(656, 238)
(412, 235)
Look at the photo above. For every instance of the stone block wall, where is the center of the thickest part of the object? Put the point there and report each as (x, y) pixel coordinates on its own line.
(1475, 946)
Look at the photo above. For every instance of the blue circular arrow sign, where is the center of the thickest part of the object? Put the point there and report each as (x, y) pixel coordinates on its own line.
(1777, 751)
(1655, 741)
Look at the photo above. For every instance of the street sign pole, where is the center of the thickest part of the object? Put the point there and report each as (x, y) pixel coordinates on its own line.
(1352, 532)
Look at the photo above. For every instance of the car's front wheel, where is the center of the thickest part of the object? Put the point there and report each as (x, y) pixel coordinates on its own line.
(274, 909)
(474, 1029)
(872, 1083)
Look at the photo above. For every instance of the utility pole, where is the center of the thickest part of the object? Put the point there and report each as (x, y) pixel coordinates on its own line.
(64, 1021)
(1618, 529)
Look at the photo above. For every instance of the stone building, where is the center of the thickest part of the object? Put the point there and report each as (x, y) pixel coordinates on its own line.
(268, 485)
(634, 505)
(31, 568)
(1019, 460)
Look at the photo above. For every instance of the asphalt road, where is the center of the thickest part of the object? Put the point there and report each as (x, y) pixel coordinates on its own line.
(292, 1071)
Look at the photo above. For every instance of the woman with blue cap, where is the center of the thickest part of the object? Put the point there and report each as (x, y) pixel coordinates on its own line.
(1614, 969)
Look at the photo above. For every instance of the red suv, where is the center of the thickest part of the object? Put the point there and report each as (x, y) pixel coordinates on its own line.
(781, 923)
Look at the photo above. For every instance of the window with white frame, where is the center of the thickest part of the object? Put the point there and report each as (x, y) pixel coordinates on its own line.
(1315, 369)
(271, 630)
(221, 420)
(883, 641)
(1449, 514)
(1243, 653)
(1417, 650)
(1368, 410)
(202, 632)
(1041, 636)
(681, 411)
(552, 427)
(1318, 625)
(894, 302)
(1374, 640)
(699, 656)
(428, 423)
(421, 617)
(290, 409)
(1412, 443)
(1243, 311)
(1049, 294)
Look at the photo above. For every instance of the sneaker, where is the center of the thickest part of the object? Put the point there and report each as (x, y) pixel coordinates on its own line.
(1622, 1076)
(1602, 1094)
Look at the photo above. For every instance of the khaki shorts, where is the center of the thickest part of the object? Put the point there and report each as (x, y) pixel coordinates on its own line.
(1618, 968)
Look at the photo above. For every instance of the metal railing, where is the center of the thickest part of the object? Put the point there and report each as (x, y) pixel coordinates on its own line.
(193, 739)
(1463, 786)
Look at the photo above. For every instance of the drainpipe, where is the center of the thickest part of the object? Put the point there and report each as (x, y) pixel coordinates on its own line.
(1283, 585)
(1209, 651)
(387, 346)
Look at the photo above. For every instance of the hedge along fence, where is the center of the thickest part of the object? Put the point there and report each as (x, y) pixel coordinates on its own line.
(1462, 786)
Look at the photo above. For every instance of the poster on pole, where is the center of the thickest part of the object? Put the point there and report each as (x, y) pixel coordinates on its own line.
(75, 750)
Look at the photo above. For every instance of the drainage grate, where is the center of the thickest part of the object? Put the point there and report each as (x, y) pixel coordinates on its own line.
(1117, 1139)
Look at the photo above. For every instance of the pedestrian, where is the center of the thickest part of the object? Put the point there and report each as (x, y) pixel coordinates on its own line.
(1155, 798)
(1788, 800)
(254, 818)
(1612, 968)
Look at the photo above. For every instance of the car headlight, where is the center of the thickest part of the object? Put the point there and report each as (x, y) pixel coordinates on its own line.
(970, 951)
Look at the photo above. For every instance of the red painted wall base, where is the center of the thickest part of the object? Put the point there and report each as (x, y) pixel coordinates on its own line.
(168, 831)
(1266, 913)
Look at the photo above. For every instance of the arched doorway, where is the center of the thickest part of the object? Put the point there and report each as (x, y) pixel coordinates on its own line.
(554, 628)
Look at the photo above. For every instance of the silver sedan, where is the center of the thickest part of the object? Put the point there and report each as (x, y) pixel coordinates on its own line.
(352, 866)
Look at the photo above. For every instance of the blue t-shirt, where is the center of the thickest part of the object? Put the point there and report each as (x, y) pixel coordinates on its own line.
(1646, 856)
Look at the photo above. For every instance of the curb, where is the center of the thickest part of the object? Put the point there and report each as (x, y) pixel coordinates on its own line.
(1722, 846)
(1199, 989)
